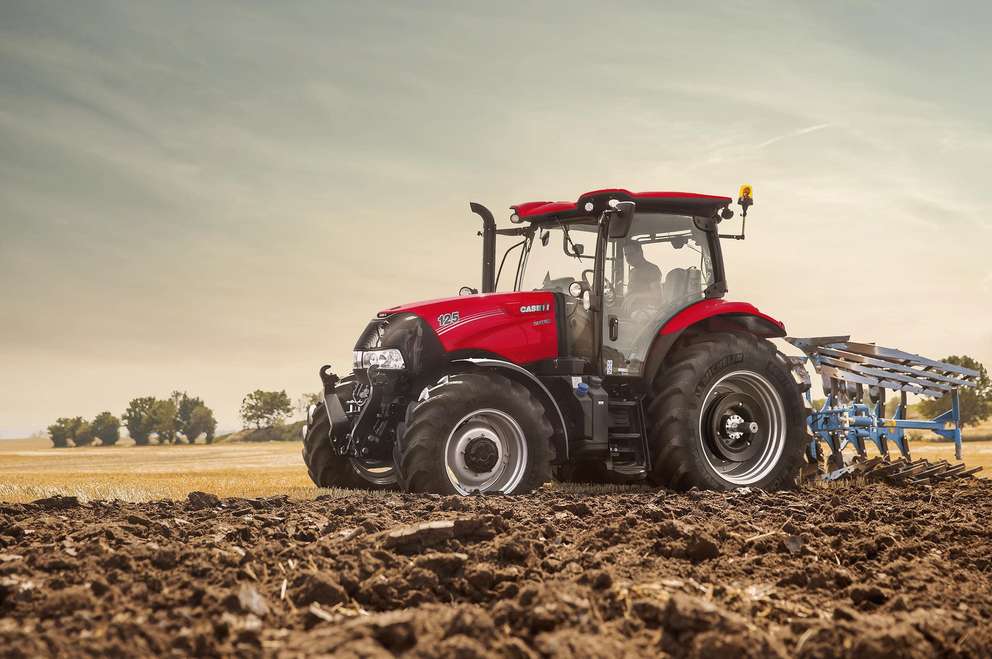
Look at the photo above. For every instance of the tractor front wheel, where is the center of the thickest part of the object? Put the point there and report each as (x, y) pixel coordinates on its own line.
(475, 432)
(328, 469)
(726, 413)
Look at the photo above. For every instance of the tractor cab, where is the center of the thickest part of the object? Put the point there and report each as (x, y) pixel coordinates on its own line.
(622, 263)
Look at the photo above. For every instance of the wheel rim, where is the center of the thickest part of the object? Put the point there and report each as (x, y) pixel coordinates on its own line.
(377, 473)
(486, 452)
(742, 427)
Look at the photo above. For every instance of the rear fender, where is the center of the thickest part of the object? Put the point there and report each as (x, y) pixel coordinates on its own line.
(710, 316)
(532, 382)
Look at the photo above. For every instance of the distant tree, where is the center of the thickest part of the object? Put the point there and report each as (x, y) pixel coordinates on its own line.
(976, 403)
(139, 420)
(107, 428)
(84, 434)
(64, 430)
(165, 420)
(306, 400)
(201, 421)
(265, 408)
(185, 404)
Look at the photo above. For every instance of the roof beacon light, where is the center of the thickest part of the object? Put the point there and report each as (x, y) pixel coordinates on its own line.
(745, 199)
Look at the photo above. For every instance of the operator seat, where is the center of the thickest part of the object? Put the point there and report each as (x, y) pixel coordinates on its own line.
(681, 285)
(676, 282)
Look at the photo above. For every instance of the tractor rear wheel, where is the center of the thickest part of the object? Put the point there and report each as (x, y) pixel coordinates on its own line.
(726, 412)
(328, 469)
(475, 432)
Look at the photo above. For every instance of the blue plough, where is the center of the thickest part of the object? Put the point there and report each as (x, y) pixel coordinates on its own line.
(855, 378)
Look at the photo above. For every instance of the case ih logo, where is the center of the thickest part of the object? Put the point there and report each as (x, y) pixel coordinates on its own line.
(533, 308)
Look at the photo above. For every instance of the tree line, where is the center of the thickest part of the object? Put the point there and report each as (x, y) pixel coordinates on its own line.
(180, 417)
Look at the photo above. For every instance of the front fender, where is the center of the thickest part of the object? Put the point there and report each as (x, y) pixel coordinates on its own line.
(534, 383)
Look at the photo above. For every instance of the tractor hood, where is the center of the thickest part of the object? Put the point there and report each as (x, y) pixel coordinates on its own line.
(517, 326)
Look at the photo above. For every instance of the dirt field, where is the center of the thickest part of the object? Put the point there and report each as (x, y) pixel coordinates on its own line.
(850, 569)
(861, 571)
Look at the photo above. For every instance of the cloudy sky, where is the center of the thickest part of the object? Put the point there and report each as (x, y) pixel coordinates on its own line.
(217, 196)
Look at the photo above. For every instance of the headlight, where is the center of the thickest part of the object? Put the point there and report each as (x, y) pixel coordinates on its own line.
(388, 359)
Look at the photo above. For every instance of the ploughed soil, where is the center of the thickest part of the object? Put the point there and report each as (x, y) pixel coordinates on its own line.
(854, 570)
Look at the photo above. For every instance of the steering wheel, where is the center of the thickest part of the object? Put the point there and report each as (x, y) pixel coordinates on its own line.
(608, 291)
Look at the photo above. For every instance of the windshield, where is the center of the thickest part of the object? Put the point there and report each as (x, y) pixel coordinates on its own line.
(556, 255)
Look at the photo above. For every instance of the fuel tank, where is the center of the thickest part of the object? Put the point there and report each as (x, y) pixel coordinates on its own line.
(520, 327)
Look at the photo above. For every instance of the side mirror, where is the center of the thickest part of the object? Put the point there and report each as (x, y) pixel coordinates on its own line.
(622, 216)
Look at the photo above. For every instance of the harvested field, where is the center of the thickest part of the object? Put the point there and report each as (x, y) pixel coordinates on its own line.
(31, 469)
(846, 570)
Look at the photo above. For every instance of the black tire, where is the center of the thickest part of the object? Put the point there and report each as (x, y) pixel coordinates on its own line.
(488, 404)
(327, 468)
(690, 445)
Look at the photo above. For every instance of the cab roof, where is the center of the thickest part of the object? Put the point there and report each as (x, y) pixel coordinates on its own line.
(595, 202)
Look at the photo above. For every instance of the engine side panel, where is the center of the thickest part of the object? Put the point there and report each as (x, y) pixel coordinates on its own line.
(519, 327)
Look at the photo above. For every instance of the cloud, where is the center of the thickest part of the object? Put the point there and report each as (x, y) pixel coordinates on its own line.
(795, 133)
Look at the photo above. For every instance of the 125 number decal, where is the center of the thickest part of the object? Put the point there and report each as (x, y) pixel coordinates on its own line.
(446, 319)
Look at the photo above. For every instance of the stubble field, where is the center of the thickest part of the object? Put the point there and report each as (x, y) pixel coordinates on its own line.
(30, 469)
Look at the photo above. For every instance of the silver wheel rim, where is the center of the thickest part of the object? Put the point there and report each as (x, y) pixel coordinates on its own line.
(502, 433)
(772, 437)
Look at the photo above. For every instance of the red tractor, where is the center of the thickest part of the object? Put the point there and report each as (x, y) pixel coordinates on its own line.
(612, 355)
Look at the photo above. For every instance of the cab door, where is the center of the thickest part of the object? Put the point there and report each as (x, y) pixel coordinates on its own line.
(658, 269)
